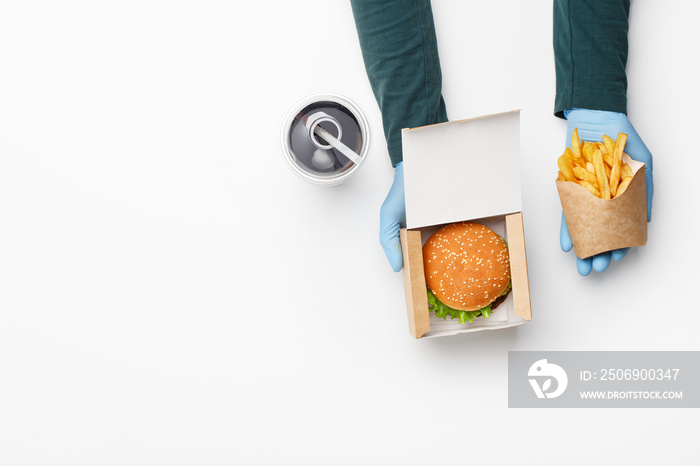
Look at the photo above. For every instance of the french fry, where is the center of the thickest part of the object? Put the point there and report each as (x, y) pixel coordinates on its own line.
(623, 186)
(585, 175)
(614, 179)
(609, 143)
(600, 174)
(566, 169)
(576, 144)
(590, 187)
(626, 171)
(587, 152)
(560, 176)
(617, 162)
(591, 168)
(620, 144)
(569, 157)
(607, 156)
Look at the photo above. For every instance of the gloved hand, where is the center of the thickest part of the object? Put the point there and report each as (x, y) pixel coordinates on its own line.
(392, 217)
(592, 125)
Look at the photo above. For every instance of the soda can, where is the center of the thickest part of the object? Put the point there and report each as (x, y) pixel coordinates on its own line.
(308, 154)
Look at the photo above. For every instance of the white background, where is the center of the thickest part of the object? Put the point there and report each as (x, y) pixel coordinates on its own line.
(171, 293)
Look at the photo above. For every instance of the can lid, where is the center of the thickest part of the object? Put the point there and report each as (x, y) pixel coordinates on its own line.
(308, 154)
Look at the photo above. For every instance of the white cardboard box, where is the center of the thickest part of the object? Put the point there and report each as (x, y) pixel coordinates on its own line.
(466, 170)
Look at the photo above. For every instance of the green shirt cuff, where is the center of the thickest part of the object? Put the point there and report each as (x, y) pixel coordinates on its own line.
(592, 100)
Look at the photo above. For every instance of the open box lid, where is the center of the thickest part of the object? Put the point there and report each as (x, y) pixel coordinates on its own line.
(465, 169)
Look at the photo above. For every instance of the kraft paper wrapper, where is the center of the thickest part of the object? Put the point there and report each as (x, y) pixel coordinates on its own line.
(597, 225)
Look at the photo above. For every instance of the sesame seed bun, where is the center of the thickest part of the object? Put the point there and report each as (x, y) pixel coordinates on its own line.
(467, 265)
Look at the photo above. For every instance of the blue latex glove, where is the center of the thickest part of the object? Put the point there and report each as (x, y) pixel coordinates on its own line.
(392, 217)
(592, 125)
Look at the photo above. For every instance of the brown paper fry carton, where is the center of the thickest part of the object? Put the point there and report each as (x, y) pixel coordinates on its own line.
(466, 170)
(597, 225)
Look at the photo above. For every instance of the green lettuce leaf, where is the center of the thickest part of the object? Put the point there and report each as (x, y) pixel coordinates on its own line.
(442, 310)
(508, 287)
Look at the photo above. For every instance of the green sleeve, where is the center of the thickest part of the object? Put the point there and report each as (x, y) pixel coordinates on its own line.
(399, 48)
(590, 54)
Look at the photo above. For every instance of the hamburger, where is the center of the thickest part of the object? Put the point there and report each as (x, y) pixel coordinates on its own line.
(467, 271)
